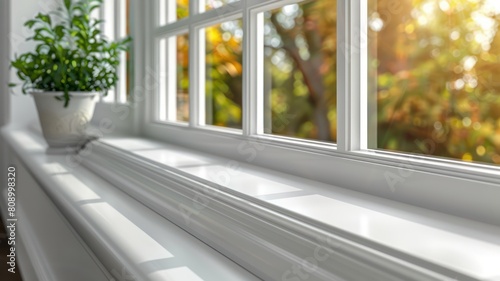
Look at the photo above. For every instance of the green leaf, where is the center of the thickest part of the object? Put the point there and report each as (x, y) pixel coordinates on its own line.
(59, 30)
(30, 23)
(67, 4)
(11, 85)
(66, 98)
(44, 17)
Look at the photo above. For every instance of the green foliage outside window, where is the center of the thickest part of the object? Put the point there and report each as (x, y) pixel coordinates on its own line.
(433, 76)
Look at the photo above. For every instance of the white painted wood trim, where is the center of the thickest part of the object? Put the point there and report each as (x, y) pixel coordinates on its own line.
(39, 228)
(138, 92)
(131, 241)
(257, 235)
(253, 85)
(171, 78)
(424, 182)
(396, 176)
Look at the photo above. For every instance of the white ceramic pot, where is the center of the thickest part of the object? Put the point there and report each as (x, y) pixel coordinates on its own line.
(65, 127)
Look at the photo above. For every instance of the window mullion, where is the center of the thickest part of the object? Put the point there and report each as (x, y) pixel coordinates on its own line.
(247, 103)
(351, 86)
(101, 27)
(171, 78)
(171, 11)
(198, 7)
(120, 24)
(160, 12)
(153, 81)
(362, 72)
(196, 70)
(116, 26)
(253, 113)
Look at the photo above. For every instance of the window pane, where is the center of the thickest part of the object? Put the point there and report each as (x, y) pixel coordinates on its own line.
(213, 4)
(162, 79)
(96, 14)
(223, 83)
(109, 19)
(172, 10)
(116, 27)
(434, 68)
(109, 32)
(300, 70)
(125, 65)
(124, 77)
(124, 24)
(174, 78)
(182, 77)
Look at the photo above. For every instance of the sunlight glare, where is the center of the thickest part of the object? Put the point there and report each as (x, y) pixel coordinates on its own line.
(428, 8)
(492, 6)
(375, 22)
(444, 5)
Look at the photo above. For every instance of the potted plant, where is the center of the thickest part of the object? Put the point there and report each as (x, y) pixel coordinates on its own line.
(72, 64)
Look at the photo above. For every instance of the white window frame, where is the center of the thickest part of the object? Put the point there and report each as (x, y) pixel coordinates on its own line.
(120, 15)
(446, 185)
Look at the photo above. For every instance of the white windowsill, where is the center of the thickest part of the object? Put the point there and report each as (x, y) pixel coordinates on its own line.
(131, 241)
(442, 247)
(459, 245)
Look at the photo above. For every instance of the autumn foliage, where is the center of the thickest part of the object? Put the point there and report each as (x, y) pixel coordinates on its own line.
(432, 75)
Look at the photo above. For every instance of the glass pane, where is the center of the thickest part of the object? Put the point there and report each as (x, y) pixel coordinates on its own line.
(109, 32)
(124, 24)
(162, 79)
(172, 10)
(96, 14)
(223, 85)
(182, 78)
(109, 19)
(123, 81)
(300, 70)
(433, 68)
(125, 65)
(213, 4)
(182, 9)
(174, 78)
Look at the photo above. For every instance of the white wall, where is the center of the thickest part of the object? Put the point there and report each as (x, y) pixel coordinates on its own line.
(22, 107)
(4, 61)
(15, 109)
(4, 77)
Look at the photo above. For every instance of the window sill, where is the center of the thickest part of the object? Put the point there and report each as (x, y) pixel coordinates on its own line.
(130, 240)
(273, 223)
(464, 190)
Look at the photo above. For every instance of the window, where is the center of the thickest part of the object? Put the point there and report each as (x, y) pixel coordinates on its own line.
(431, 71)
(300, 70)
(170, 11)
(173, 54)
(426, 73)
(223, 82)
(332, 90)
(298, 61)
(217, 64)
(115, 14)
(212, 4)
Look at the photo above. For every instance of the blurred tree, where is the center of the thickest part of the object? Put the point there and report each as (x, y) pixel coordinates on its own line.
(223, 84)
(300, 48)
(432, 75)
(436, 62)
